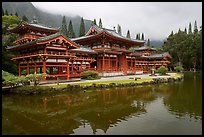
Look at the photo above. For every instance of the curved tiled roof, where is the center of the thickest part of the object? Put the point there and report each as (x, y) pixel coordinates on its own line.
(84, 49)
(108, 31)
(144, 48)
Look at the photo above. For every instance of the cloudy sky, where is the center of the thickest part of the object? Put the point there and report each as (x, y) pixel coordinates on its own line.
(155, 19)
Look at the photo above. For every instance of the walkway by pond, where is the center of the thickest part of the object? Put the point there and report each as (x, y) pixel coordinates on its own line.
(142, 76)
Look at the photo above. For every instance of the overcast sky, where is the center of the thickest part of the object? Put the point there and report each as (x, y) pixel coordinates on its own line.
(155, 19)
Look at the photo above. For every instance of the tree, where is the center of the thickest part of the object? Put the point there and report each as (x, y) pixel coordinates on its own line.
(128, 34)
(6, 13)
(71, 33)
(148, 43)
(185, 30)
(2, 12)
(195, 27)
(94, 22)
(172, 33)
(82, 28)
(11, 14)
(63, 29)
(138, 36)
(100, 23)
(119, 29)
(142, 37)
(24, 18)
(16, 14)
(189, 29)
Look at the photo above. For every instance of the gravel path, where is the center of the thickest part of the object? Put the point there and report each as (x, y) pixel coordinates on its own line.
(116, 78)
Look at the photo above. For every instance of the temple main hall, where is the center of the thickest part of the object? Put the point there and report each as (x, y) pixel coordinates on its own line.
(42, 49)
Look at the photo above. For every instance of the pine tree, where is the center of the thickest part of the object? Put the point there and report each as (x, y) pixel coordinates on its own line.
(24, 18)
(94, 22)
(138, 36)
(63, 29)
(2, 12)
(142, 36)
(189, 29)
(6, 12)
(128, 34)
(11, 14)
(82, 28)
(195, 27)
(148, 43)
(71, 33)
(185, 30)
(16, 14)
(119, 29)
(100, 23)
(172, 33)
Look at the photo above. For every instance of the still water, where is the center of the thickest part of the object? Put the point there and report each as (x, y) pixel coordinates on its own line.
(173, 108)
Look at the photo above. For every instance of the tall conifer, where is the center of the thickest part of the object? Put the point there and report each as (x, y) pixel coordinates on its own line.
(63, 29)
(82, 28)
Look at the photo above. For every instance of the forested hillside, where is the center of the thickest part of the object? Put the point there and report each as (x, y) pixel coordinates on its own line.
(54, 20)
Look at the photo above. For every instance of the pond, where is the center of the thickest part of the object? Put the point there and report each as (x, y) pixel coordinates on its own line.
(164, 109)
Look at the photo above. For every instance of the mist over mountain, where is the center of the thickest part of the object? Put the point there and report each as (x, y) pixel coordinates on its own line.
(48, 19)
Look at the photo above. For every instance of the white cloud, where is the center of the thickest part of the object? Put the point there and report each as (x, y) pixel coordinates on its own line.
(155, 19)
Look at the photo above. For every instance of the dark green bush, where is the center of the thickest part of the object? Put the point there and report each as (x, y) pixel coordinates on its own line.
(90, 75)
(178, 69)
(161, 70)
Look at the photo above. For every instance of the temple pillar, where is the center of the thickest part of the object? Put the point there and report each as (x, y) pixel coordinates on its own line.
(109, 63)
(103, 63)
(19, 69)
(35, 68)
(68, 75)
(44, 68)
(28, 68)
(45, 51)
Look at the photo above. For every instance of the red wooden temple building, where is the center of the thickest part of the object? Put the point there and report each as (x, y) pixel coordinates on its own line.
(44, 50)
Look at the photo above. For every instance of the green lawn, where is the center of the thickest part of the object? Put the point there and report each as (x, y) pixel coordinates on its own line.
(113, 81)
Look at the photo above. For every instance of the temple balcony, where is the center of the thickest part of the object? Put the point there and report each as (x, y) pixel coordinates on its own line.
(27, 37)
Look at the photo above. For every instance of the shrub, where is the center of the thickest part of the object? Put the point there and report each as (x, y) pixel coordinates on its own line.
(178, 69)
(161, 70)
(90, 75)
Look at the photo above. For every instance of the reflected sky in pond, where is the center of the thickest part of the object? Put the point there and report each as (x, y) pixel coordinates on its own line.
(173, 108)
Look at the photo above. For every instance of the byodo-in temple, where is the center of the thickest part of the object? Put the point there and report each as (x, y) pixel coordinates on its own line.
(45, 50)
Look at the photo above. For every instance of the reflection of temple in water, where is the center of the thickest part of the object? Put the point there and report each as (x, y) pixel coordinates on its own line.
(61, 114)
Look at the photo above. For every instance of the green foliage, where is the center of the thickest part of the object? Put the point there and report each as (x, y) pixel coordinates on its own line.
(185, 49)
(9, 79)
(63, 29)
(82, 28)
(100, 23)
(189, 28)
(16, 14)
(6, 13)
(94, 22)
(142, 37)
(161, 70)
(128, 34)
(71, 33)
(90, 75)
(178, 69)
(24, 18)
(195, 27)
(119, 30)
(148, 43)
(2, 12)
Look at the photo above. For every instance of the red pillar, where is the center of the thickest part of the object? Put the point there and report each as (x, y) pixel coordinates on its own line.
(109, 63)
(19, 69)
(45, 51)
(28, 68)
(103, 64)
(35, 68)
(81, 67)
(44, 68)
(68, 76)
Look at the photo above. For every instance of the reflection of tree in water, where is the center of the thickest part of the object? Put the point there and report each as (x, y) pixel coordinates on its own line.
(186, 97)
(62, 113)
